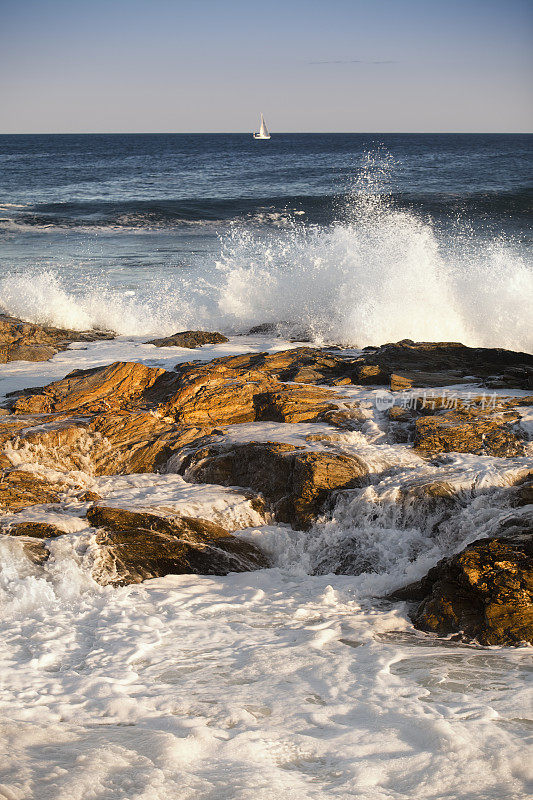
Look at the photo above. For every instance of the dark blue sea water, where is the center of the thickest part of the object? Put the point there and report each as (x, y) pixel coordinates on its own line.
(163, 230)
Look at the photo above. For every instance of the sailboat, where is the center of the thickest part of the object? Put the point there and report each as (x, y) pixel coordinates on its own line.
(263, 130)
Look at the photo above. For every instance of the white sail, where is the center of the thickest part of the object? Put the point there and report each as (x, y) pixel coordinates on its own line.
(263, 130)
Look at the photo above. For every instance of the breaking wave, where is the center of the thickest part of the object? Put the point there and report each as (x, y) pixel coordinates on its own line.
(377, 274)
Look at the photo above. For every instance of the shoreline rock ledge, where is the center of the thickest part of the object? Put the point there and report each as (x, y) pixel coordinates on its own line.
(130, 418)
(26, 341)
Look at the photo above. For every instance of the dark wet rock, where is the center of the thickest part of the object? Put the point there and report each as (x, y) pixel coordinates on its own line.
(524, 492)
(483, 593)
(25, 341)
(37, 530)
(190, 339)
(36, 551)
(295, 482)
(504, 368)
(135, 546)
(283, 330)
(269, 329)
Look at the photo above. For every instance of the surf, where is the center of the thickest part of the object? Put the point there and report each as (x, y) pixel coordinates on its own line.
(376, 273)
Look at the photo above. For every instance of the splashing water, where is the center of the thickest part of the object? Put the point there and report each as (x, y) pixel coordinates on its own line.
(380, 275)
(377, 274)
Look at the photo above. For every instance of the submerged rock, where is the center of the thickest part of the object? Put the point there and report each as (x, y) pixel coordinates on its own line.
(135, 546)
(294, 481)
(484, 593)
(36, 551)
(190, 339)
(25, 341)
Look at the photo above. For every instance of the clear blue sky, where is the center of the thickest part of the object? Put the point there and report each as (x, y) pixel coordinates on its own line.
(212, 65)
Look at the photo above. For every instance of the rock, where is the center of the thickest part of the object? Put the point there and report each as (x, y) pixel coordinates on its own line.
(269, 329)
(19, 489)
(348, 419)
(294, 404)
(484, 593)
(417, 364)
(117, 442)
(37, 530)
(292, 331)
(413, 359)
(139, 442)
(443, 424)
(399, 383)
(24, 341)
(213, 398)
(469, 429)
(370, 374)
(190, 339)
(88, 497)
(218, 394)
(135, 546)
(127, 417)
(36, 551)
(103, 389)
(195, 395)
(524, 493)
(295, 482)
(299, 365)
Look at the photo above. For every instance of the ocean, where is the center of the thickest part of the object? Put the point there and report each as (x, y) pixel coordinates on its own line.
(293, 681)
(148, 234)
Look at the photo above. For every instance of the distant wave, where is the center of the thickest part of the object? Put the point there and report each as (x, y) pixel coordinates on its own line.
(275, 210)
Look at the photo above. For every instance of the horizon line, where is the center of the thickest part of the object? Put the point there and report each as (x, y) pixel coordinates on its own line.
(276, 133)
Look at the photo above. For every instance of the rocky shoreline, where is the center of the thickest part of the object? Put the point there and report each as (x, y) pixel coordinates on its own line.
(128, 418)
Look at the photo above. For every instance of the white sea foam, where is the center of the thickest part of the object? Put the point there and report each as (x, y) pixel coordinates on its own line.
(279, 682)
(261, 685)
(378, 274)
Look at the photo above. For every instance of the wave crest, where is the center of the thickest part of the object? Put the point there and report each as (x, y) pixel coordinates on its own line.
(379, 274)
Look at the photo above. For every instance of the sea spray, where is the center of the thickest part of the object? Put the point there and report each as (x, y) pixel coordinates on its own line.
(377, 273)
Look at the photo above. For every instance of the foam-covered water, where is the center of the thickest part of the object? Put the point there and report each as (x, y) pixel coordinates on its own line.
(293, 681)
(266, 684)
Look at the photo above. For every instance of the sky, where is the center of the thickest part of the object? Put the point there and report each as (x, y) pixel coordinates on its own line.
(69, 66)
